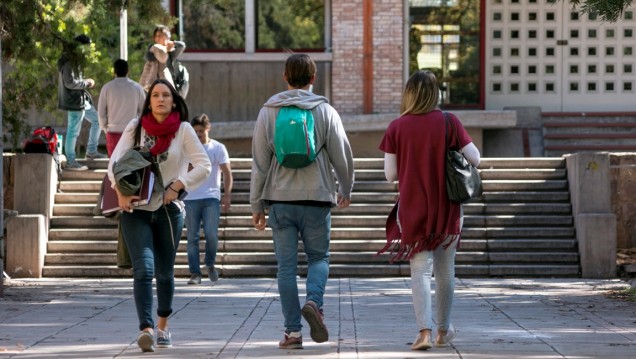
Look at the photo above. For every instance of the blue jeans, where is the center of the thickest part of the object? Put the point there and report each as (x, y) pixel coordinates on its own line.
(313, 225)
(208, 211)
(73, 129)
(152, 238)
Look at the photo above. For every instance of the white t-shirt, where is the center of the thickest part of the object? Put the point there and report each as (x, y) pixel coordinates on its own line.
(211, 188)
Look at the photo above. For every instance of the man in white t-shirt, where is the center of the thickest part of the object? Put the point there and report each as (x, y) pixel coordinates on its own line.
(204, 203)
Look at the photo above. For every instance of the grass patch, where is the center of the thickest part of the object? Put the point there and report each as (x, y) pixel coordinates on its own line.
(627, 293)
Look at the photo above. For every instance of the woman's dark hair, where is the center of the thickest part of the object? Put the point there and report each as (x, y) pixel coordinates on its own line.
(201, 120)
(178, 102)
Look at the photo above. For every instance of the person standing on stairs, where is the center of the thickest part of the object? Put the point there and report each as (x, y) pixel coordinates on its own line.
(204, 204)
(424, 227)
(120, 100)
(152, 231)
(299, 200)
(73, 96)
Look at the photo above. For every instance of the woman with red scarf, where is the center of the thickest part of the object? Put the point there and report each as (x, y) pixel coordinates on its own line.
(152, 231)
(424, 226)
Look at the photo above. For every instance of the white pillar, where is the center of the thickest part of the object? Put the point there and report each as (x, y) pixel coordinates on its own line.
(123, 34)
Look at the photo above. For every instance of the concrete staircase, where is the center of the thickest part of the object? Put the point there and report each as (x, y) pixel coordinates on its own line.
(563, 135)
(521, 227)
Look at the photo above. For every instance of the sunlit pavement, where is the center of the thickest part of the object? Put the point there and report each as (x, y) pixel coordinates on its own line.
(366, 318)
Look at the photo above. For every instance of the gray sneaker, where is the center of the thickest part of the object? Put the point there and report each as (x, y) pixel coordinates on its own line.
(195, 279)
(75, 166)
(213, 274)
(146, 342)
(164, 339)
(95, 155)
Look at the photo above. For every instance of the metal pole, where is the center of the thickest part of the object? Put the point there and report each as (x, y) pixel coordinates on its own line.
(1, 192)
(123, 34)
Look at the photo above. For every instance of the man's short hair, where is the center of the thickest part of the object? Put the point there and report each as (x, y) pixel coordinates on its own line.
(299, 68)
(121, 67)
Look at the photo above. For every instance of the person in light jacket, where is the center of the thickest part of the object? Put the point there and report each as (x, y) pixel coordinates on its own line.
(152, 231)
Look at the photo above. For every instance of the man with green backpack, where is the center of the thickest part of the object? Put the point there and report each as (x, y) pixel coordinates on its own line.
(299, 144)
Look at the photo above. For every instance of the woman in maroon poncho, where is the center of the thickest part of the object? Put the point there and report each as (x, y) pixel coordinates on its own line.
(424, 226)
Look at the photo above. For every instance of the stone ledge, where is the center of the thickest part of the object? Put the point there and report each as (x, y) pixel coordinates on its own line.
(377, 122)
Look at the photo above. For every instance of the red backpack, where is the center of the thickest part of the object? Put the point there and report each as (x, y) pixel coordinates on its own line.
(43, 140)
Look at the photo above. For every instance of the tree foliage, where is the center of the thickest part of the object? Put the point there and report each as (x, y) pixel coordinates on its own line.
(607, 10)
(33, 35)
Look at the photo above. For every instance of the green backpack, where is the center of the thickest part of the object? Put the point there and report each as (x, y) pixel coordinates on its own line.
(294, 138)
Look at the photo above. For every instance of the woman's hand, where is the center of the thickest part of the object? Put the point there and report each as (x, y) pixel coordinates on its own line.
(125, 202)
(172, 191)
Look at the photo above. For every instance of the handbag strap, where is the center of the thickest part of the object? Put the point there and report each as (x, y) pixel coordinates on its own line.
(448, 122)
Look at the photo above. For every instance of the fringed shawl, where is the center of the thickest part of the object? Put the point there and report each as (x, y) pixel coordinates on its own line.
(426, 215)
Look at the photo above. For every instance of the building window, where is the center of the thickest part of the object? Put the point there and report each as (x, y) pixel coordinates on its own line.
(532, 51)
(574, 69)
(591, 69)
(627, 86)
(532, 87)
(591, 33)
(532, 69)
(574, 51)
(549, 69)
(446, 41)
(609, 33)
(496, 69)
(514, 87)
(609, 69)
(591, 86)
(574, 87)
(549, 87)
(532, 34)
(609, 86)
(627, 68)
(220, 25)
(574, 34)
(514, 70)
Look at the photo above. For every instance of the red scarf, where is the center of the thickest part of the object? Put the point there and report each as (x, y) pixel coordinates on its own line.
(164, 132)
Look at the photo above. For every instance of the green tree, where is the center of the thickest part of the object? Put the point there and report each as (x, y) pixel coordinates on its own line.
(33, 35)
(607, 10)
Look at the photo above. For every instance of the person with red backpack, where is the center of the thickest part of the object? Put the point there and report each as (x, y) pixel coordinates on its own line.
(73, 96)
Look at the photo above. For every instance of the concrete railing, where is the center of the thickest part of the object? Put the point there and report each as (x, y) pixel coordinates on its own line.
(34, 188)
(590, 191)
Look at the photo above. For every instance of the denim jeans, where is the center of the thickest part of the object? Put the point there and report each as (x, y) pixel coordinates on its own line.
(313, 225)
(73, 129)
(208, 211)
(152, 238)
(442, 262)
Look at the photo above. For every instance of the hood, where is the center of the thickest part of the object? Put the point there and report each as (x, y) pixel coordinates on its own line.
(299, 98)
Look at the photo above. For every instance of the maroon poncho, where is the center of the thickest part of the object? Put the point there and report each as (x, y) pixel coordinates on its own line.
(425, 213)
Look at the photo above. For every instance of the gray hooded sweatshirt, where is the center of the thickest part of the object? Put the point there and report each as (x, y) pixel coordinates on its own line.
(317, 182)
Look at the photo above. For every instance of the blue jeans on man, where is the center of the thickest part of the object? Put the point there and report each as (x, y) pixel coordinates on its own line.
(152, 238)
(206, 211)
(313, 225)
(73, 129)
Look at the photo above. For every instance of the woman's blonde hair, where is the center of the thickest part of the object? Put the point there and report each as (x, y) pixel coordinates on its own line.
(421, 94)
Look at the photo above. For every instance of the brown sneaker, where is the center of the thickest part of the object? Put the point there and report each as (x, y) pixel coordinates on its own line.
(423, 340)
(291, 342)
(315, 317)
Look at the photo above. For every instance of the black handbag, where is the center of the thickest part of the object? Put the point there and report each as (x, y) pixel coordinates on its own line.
(462, 178)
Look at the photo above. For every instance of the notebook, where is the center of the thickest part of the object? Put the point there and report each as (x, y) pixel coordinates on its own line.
(110, 202)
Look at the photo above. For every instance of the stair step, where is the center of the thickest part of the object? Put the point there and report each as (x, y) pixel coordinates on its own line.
(336, 270)
(522, 225)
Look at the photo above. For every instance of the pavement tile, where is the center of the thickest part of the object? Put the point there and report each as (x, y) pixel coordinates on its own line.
(528, 318)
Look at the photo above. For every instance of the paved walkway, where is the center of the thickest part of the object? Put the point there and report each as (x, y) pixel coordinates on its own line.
(366, 317)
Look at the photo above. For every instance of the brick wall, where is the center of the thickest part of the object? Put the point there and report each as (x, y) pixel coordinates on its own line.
(347, 43)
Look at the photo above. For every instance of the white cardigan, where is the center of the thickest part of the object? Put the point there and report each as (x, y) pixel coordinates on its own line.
(185, 149)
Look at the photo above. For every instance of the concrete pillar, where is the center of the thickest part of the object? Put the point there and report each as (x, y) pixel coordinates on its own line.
(590, 191)
(36, 184)
(26, 245)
